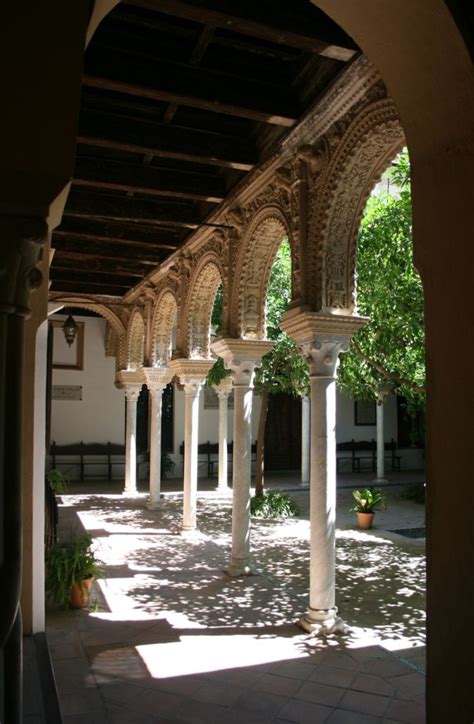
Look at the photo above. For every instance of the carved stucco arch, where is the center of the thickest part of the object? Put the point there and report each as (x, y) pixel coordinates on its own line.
(205, 281)
(261, 242)
(135, 340)
(110, 316)
(164, 320)
(371, 141)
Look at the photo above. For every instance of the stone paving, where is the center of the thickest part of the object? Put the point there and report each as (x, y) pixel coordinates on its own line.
(171, 638)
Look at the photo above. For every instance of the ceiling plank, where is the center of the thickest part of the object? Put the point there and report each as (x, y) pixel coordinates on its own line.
(146, 213)
(67, 267)
(82, 255)
(300, 39)
(114, 175)
(110, 240)
(189, 85)
(113, 131)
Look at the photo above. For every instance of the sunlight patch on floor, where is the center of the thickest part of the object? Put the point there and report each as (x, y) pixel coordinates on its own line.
(200, 654)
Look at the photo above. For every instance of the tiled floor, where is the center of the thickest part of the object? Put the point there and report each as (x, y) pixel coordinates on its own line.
(174, 639)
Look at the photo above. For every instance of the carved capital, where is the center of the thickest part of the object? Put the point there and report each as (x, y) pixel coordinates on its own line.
(241, 357)
(128, 378)
(191, 373)
(321, 337)
(224, 388)
(132, 392)
(156, 378)
(21, 238)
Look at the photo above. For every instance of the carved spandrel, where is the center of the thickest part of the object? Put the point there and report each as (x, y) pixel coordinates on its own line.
(21, 239)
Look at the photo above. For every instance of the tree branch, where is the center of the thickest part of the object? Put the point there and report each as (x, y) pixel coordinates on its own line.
(385, 373)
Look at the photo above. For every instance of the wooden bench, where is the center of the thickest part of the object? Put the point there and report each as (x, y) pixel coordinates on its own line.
(353, 452)
(208, 455)
(100, 456)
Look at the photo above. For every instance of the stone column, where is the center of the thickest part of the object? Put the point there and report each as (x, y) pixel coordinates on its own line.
(192, 374)
(241, 357)
(132, 381)
(322, 338)
(223, 390)
(384, 390)
(305, 439)
(156, 380)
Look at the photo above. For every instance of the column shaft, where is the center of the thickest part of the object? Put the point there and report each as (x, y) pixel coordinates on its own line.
(223, 450)
(323, 496)
(155, 447)
(131, 445)
(191, 436)
(380, 442)
(241, 476)
(305, 440)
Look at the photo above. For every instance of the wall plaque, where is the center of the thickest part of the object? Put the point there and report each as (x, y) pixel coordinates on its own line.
(66, 392)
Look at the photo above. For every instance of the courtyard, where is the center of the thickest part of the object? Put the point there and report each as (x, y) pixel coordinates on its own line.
(170, 637)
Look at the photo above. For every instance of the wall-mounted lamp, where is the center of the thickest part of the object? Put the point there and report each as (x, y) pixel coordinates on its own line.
(70, 330)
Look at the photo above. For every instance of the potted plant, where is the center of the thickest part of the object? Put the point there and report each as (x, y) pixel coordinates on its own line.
(71, 568)
(366, 502)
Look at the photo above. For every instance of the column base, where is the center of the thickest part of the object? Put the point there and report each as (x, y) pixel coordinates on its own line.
(154, 504)
(322, 622)
(380, 481)
(239, 567)
(131, 494)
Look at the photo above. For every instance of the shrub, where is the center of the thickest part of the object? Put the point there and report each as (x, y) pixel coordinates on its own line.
(415, 492)
(167, 465)
(273, 504)
(68, 562)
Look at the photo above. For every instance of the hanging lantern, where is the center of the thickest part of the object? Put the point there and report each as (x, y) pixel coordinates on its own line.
(70, 330)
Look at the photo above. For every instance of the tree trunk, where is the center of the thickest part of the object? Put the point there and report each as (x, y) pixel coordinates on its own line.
(260, 463)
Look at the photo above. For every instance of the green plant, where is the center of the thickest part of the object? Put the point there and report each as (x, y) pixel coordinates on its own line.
(273, 504)
(68, 562)
(217, 373)
(368, 500)
(415, 492)
(58, 481)
(167, 465)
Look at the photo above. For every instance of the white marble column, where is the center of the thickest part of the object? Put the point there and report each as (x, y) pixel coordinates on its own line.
(192, 375)
(156, 379)
(223, 390)
(382, 396)
(241, 357)
(321, 339)
(305, 440)
(132, 381)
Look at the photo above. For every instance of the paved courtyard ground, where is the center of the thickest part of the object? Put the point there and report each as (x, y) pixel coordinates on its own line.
(171, 638)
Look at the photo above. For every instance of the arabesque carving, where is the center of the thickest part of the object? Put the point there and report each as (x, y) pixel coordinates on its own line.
(252, 271)
(362, 154)
(201, 295)
(135, 341)
(164, 320)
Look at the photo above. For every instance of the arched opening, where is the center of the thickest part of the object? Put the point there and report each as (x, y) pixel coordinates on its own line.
(163, 326)
(203, 290)
(86, 410)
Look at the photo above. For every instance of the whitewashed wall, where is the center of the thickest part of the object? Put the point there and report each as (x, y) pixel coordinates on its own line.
(100, 415)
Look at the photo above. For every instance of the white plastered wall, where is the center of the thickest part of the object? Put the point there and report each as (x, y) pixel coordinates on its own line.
(100, 415)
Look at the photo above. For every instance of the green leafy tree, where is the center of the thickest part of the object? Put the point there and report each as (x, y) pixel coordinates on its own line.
(390, 347)
(282, 369)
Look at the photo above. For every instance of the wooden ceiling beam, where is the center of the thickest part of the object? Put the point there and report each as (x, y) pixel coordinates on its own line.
(120, 133)
(150, 214)
(78, 279)
(212, 14)
(101, 240)
(117, 176)
(75, 287)
(85, 255)
(62, 265)
(189, 85)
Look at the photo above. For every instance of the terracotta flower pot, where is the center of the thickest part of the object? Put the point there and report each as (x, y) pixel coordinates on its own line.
(365, 520)
(80, 593)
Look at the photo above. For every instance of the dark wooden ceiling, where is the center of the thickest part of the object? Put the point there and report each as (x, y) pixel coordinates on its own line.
(180, 99)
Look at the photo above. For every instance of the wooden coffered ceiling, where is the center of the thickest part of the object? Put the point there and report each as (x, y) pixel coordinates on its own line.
(181, 99)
